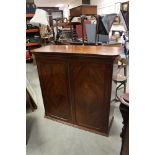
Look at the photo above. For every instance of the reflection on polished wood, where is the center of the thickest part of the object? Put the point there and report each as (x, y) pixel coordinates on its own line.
(76, 84)
(78, 49)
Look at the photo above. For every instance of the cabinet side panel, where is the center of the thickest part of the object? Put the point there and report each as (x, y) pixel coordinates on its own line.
(54, 84)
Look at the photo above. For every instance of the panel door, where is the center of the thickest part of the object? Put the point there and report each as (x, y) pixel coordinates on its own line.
(90, 87)
(54, 84)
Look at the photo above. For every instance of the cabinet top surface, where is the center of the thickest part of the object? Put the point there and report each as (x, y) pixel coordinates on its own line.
(79, 49)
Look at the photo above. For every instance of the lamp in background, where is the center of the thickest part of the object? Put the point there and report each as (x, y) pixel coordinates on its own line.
(40, 17)
(41, 20)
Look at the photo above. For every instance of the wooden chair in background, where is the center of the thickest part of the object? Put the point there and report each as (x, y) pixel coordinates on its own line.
(121, 77)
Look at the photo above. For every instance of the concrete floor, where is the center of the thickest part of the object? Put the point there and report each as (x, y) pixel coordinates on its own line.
(47, 137)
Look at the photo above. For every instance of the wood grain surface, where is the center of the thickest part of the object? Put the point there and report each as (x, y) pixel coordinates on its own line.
(76, 88)
(78, 49)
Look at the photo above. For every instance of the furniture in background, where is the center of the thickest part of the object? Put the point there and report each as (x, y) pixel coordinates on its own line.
(120, 79)
(123, 62)
(116, 35)
(41, 20)
(45, 34)
(50, 30)
(124, 14)
(31, 103)
(97, 32)
(82, 11)
(53, 13)
(124, 109)
(76, 84)
(63, 31)
(78, 28)
(27, 55)
(31, 99)
(32, 32)
(105, 24)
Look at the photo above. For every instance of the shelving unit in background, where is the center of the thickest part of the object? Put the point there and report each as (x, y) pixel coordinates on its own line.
(32, 30)
(32, 33)
(29, 15)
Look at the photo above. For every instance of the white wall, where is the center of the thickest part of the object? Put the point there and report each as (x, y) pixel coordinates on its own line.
(68, 4)
(74, 3)
(54, 3)
(50, 3)
(107, 6)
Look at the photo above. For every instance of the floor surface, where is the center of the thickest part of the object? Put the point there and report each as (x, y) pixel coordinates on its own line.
(47, 137)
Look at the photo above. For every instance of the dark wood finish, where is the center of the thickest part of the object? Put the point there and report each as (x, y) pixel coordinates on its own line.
(89, 95)
(125, 148)
(83, 10)
(124, 109)
(95, 51)
(80, 127)
(76, 84)
(55, 83)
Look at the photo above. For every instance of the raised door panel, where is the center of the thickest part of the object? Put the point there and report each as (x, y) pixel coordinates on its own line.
(54, 83)
(89, 86)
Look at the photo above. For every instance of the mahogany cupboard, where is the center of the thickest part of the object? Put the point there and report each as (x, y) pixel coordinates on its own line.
(76, 84)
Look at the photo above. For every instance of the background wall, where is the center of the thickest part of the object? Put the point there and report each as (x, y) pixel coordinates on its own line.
(107, 6)
(74, 3)
(103, 6)
(50, 3)
(67, 4)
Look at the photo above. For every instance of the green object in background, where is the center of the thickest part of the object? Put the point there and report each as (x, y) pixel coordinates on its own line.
(27, 40)
(33, 40)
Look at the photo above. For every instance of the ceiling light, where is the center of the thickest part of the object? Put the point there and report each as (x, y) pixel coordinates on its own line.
(59, 5)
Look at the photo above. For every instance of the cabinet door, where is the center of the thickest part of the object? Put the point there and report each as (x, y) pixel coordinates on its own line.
(90, 87)
(54, 84)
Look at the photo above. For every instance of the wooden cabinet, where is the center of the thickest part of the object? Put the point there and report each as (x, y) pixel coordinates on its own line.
(76, 84)
(83, 10)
